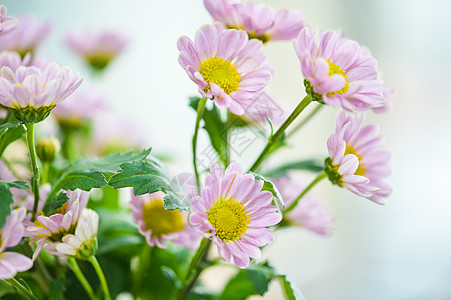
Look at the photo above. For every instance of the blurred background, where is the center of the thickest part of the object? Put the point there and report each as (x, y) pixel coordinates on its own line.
(398, 251)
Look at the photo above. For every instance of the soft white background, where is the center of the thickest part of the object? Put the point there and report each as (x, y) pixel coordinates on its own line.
(400, 251)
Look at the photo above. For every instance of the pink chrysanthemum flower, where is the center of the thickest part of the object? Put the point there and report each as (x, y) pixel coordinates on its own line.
(32, 93)
(6, 23)
(234, 213)
(310, 213)
(11, 234)
(260, 21)
(27, 36)
(158, 225)
(337, 72)
(98, 48)
(356, 160)
(13, 60)
(49, 231)
(389, 95)
(79, 108)
(226, 66)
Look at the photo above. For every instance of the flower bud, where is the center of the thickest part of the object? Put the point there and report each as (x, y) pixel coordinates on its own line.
(47, 149)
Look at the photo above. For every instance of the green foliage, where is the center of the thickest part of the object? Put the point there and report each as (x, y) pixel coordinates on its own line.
(6, 197)
(290, 290)
(9, 132)
(312, 165)
(54, 202)
(271, 187)
(86, 173)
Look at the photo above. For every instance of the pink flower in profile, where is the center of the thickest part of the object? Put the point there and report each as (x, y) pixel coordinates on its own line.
(32, 93)
(310, 213)
(226, 66)
(13, 60)
(234, 213)
(80, 107)
(356, 160)
(258, 20)
(98, 48)
(159, 225)
(338, 72)
(49, 231)
(27, 36)
(11, 234)
(6, 23)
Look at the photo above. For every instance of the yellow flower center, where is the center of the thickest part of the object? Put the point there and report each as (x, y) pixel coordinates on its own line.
(221, 72)
(161, 221)
(229, 219)
(361, 169)
(335, 69)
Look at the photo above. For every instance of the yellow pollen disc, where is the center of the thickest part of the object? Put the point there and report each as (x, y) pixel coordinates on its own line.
(335, 69)
(361, 169)
(229, 219)
(161, 221)
(221, 72)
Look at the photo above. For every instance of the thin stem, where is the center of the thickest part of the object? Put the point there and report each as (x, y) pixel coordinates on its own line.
(200, 112)
(305, 120)
(195, 268)
(19, 288)
(103, 283)
(318, 178)
(83, 281)
(10, 166)
(34, 166)
(301, 106)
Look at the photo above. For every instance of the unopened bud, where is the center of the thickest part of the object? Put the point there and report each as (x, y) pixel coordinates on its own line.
(47, 149)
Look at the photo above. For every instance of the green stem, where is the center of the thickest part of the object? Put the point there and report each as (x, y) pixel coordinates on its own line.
(103, 283)
(305, 120)
(34, 166)
(12, 283)
(83, 281)
(195, 268)
(143, 266)
(301, 106)
(200, 113)
(318, 178)
(10, 166)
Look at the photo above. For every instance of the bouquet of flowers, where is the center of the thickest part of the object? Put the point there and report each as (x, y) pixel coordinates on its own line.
(93, 214)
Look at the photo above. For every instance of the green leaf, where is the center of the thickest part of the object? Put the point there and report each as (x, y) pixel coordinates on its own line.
(290, 290)
(54, 202)
(143, 177)
(271, 187)
(238, 287)
(10, 132)
(171, 202)
(260, 276)
(86, 173)
(6, 197)
(312, 165)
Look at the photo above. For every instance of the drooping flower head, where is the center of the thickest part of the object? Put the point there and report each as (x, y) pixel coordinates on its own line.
(79, 108)
(260, 21)
(337, 72)
(234, 213)
(32, 93)
(310, 213)
(11, 234)
(159, 225)
(356, 159)
(27, 36)
(49, 231)
(98, 48)
(6, 23)
(226, 66)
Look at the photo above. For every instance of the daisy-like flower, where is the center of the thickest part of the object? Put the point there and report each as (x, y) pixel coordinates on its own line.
(226, 66)
(234, 213)
(79, 108)
(338, 72)
(310, 213)
(82, 244)
(98, 48)
(11, 234)
(6, 23)
(260, 21)
(27, 36)
(356, 160)
(32, 93)
(49, 231)
(13, 60)
(158, 225)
